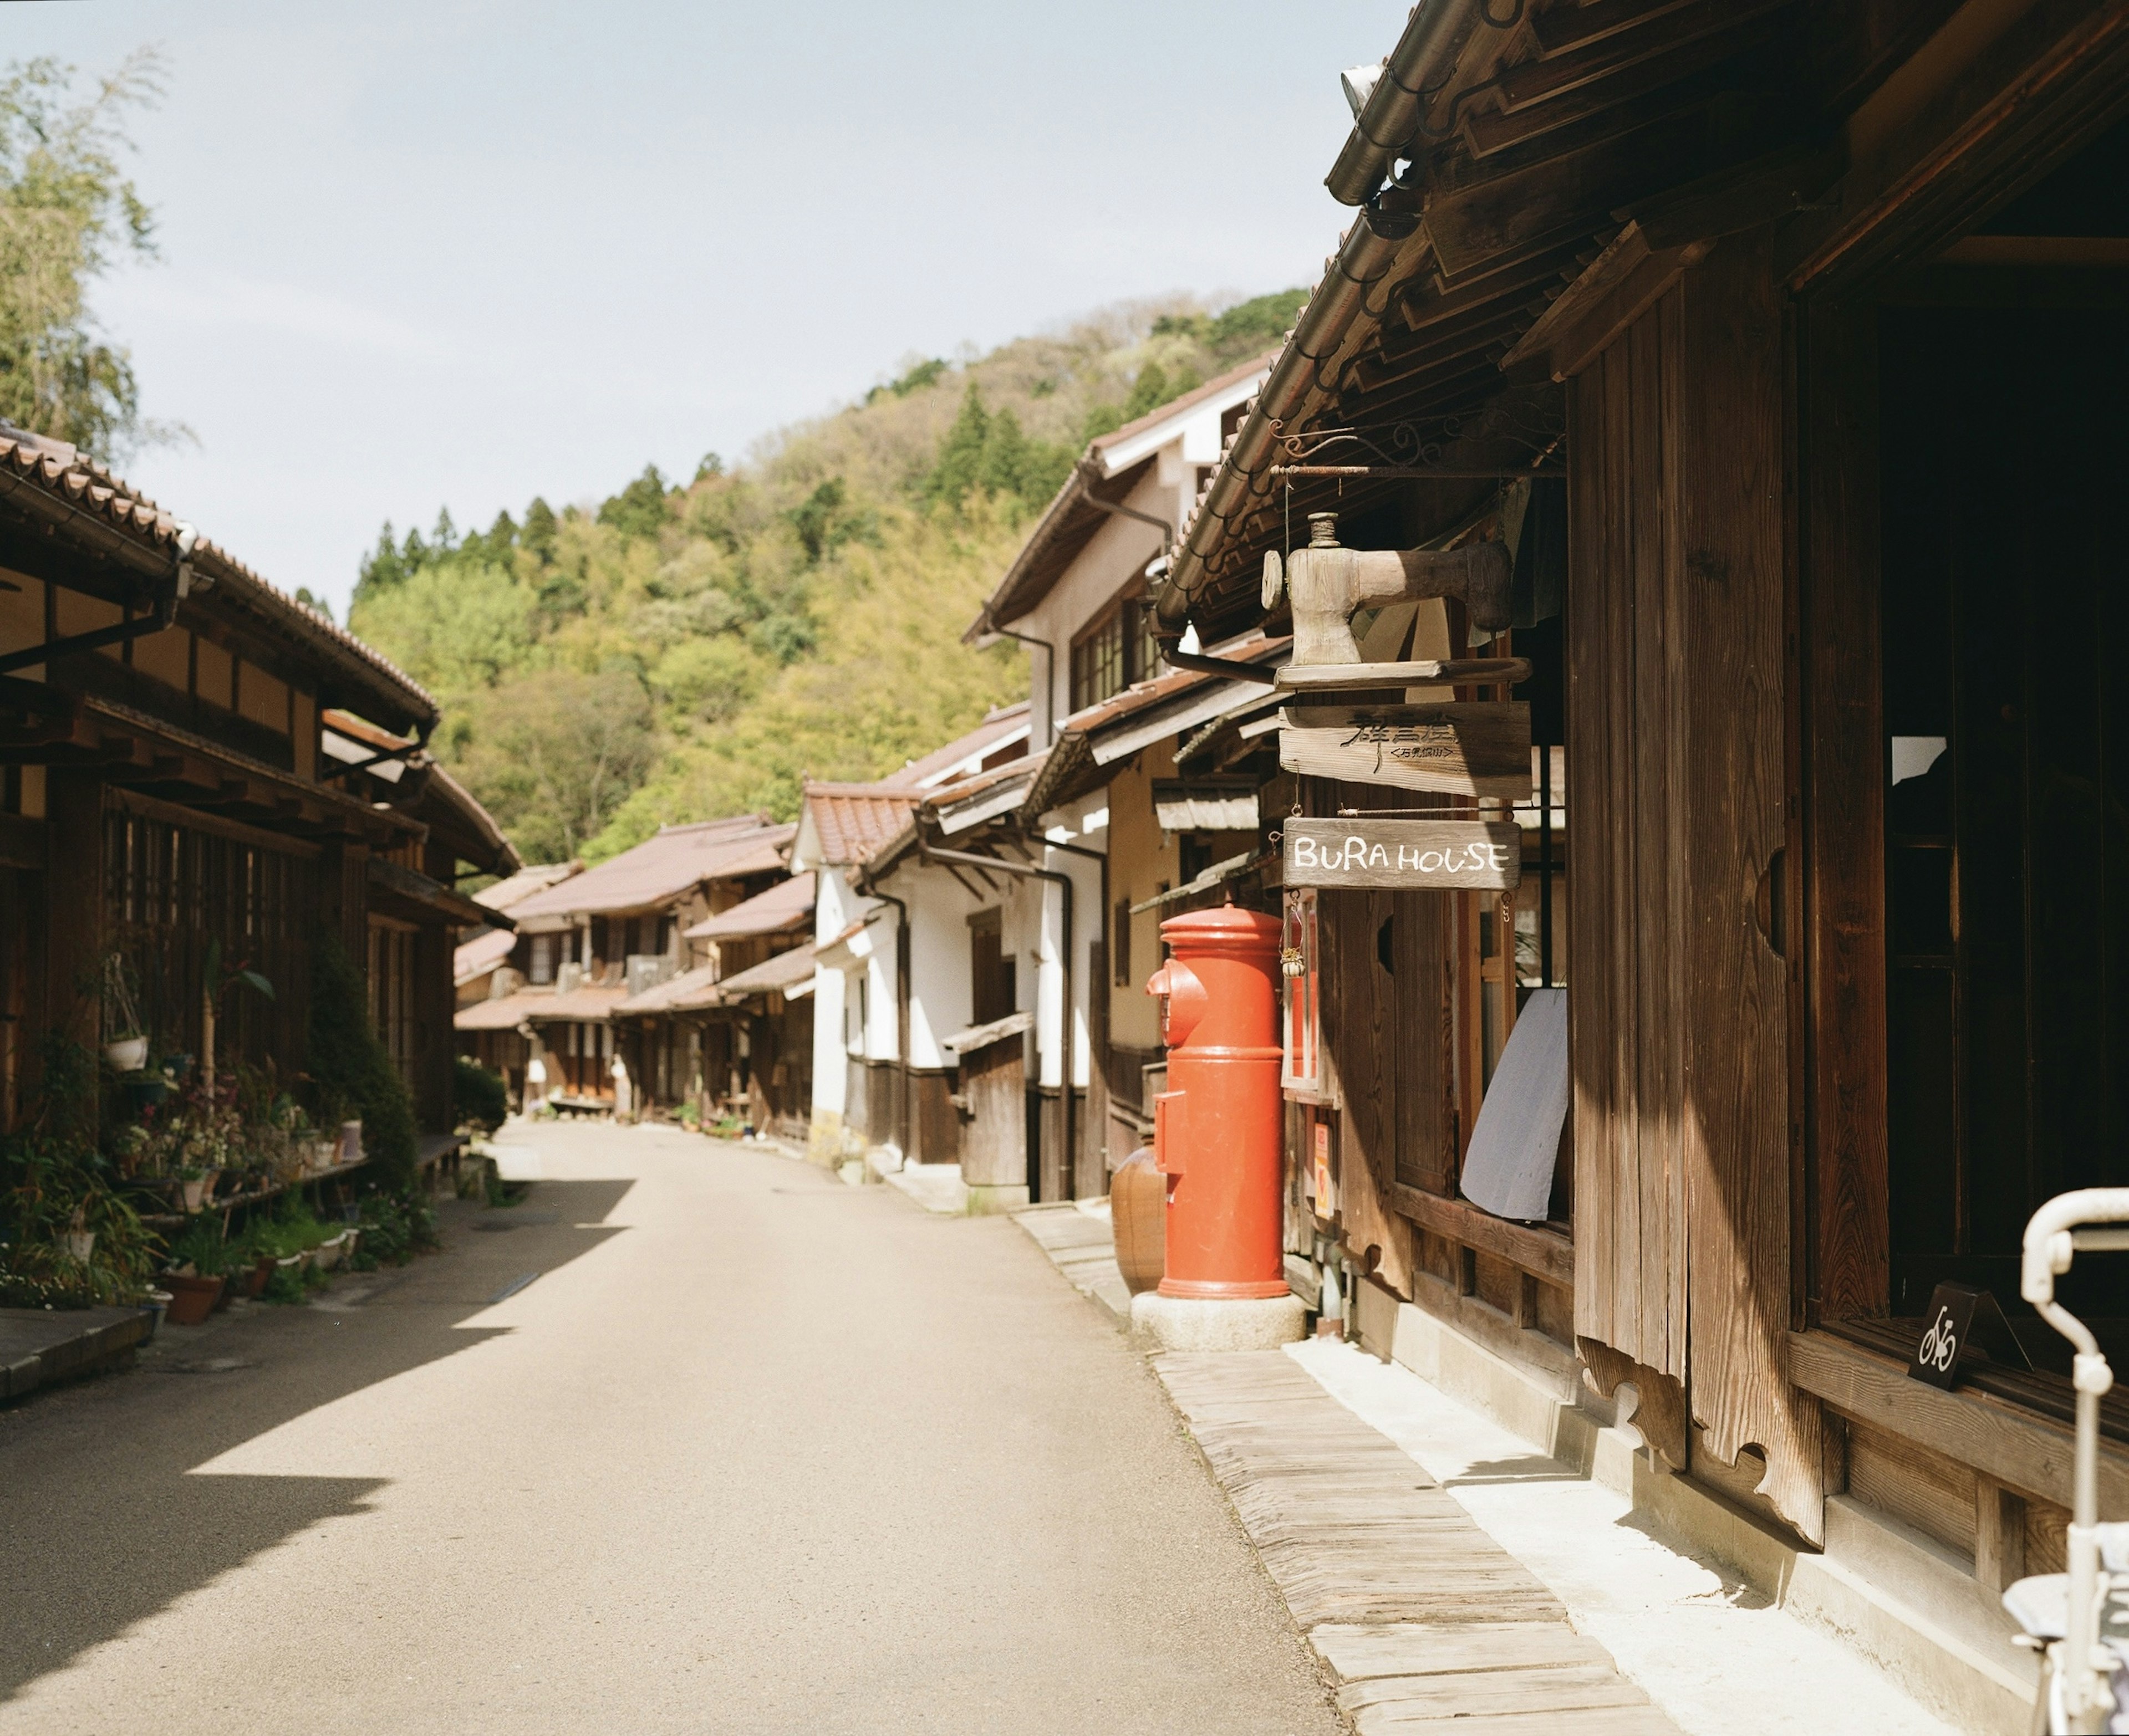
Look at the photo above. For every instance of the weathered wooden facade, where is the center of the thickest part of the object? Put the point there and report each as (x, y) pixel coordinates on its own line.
(1814, 312)
(589, 944)
(192, 759)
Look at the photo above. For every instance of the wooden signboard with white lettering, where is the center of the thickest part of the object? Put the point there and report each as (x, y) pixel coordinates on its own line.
(1403, 855)
(1479, 749)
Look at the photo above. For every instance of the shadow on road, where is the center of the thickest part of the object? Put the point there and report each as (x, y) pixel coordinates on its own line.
(102, 1523)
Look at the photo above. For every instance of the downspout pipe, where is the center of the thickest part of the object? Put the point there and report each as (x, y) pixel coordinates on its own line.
(1049, 678)
(1102, 915)
(932, 852)
(1089, 475)
(901, 1002)
(1232, 668)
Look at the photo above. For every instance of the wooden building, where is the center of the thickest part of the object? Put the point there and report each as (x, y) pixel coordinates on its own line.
(691, 1044)
(481, 970)
(588, 943)
(892, 950)
(192, 759)
(1814, 313)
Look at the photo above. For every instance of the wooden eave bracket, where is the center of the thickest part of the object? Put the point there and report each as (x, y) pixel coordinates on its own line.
(1665, 237)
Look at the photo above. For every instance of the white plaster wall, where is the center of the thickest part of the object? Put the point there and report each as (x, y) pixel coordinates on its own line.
(1113, 557)
(882, 1034)
(939, 982)
(831, 897)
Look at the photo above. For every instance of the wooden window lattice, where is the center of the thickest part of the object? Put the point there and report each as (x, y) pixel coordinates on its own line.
(171, 891)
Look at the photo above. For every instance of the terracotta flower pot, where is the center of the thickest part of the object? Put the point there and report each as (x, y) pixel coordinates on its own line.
(192, 1300)
(1138, 1215)
(255, 1280)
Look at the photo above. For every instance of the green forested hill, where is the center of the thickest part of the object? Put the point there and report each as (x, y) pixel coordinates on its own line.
(681, 651)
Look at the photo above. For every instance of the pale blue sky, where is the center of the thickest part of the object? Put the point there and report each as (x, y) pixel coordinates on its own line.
(460, 252)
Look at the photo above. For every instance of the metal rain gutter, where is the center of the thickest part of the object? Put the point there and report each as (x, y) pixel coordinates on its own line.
(1371, 247)
(1395, 112)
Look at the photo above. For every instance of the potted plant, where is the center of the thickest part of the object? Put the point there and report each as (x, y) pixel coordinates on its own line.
(198, 1264)
(192, 1295)
(125, 1044)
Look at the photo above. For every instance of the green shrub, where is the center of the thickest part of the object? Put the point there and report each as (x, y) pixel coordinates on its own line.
(290, 1230)
(480, 1097)
(350, 1067)
(396, 1225)
(204, 1247)
(284, 1285)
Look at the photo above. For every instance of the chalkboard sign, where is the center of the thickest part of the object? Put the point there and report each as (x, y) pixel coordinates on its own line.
(1403, 855)
(1469, 749)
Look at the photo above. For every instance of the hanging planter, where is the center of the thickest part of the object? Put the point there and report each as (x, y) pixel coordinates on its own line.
(125, 1047)
(127, 1054)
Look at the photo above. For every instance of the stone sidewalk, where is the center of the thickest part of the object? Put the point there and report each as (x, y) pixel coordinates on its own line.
(1450, 1577)
(1427, 1624)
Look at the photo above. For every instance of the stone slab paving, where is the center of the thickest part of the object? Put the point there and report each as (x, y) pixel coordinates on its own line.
(1427, 1625)
(1079, 1239)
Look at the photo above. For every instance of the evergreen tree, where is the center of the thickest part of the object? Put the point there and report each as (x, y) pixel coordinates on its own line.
(960, 458)
(538, 537)
(639, 510)
(381, 568)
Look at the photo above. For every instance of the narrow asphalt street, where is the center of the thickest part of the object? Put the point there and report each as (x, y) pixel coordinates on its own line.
(754, 1452)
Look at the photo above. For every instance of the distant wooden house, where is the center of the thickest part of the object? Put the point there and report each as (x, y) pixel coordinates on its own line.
(193, 760)
(482, 970)
(588, 944)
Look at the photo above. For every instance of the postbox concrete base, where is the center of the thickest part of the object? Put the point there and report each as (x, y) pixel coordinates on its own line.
(1161, 1322)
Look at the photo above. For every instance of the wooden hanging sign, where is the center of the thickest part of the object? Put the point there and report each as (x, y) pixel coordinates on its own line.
(1476, 748)
(1403, 855)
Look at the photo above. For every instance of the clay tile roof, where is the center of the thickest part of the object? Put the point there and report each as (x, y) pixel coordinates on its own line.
(780, 971)
(534, 878)
(854, 819)
(994, 732)
(482, 953)
(786, 904)
(662, 867)
(684, 993)
(84, 486)
(507, 1012)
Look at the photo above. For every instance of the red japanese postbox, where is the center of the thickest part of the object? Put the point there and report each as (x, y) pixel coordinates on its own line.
(1217, 1129)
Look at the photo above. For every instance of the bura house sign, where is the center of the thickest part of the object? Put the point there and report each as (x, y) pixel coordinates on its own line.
(1403, 855)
